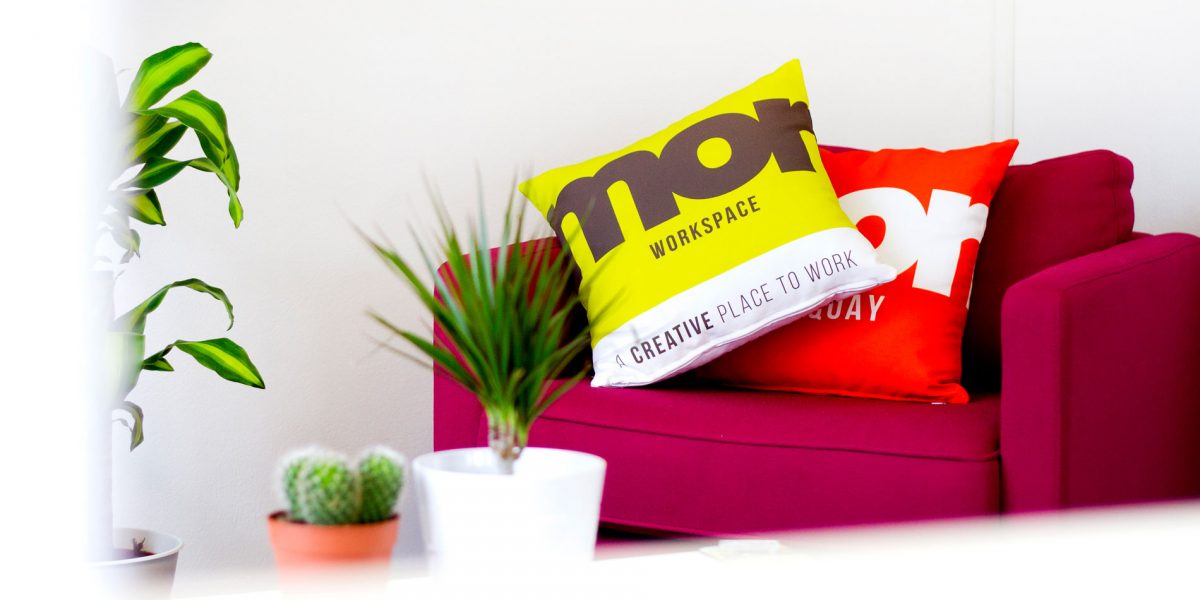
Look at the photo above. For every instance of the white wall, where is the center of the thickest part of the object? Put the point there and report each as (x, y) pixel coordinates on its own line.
(1118, 75)
(337, 107)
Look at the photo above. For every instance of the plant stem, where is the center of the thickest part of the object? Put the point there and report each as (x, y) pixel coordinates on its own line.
(502, 438)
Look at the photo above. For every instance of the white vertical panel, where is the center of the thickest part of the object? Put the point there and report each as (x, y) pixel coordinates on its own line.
(1002, 69)
(44, 358)
(1118, 75)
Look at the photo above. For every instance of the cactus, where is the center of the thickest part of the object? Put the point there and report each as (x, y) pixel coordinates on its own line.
(381, 471)
(291, 466)
(321, 488)
(328, 491)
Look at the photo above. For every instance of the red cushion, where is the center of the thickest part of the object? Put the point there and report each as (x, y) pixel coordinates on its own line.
(1043, 214)
(925, 212)
(719, 461)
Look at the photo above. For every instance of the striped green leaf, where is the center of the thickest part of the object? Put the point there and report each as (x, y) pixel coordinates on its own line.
(162, 72)
(157, 143)
(158, 360)
(120, 363)
(135, 320)
(156, 172)
(206, 117)
(225, 358)
(235, 204)
(132, 244)
(201, 114)
(137, 435)
(126, 237)
(142, 125)
(142, 205)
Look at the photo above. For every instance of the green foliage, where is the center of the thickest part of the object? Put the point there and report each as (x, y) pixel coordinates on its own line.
(505, 323)
(207, 119)
(222, 356)
(162, 72)
(144, 206)
(382, 474)
(149, 134)
(135, 429)
(321, 488)
(135, 319)
(153, 131)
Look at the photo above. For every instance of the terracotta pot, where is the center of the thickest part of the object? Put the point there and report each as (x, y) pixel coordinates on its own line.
(303, 550)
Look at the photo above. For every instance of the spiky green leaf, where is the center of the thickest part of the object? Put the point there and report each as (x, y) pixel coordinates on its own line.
(505, 320)
(225, 358)
(135, 320)
(164, 71)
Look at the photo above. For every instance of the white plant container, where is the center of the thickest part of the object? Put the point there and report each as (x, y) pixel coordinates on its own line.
(144, 577)
(475, 520)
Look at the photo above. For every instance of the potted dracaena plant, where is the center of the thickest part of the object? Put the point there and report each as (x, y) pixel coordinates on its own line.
(503, 331)
(142, 561)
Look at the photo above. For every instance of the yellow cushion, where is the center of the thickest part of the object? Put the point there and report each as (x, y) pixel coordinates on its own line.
(695, 239)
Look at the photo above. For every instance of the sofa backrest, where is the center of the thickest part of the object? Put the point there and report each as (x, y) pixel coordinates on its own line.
(1043, 214)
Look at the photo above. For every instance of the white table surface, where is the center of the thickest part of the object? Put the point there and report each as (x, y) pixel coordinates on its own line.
(1135, 553)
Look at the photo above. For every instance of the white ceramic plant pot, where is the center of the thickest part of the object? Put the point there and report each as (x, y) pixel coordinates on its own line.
(475, 520)
(145, 577)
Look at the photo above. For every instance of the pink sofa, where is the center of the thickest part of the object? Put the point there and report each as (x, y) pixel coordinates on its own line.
(1082, 356)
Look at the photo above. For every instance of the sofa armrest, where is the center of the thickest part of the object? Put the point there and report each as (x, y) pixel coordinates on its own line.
(1101, 378)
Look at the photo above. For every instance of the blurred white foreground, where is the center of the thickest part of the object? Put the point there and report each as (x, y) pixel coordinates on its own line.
(1135, 552)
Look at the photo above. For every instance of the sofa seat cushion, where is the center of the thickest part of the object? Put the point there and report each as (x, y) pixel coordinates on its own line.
(722, 461)
(791, 420)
